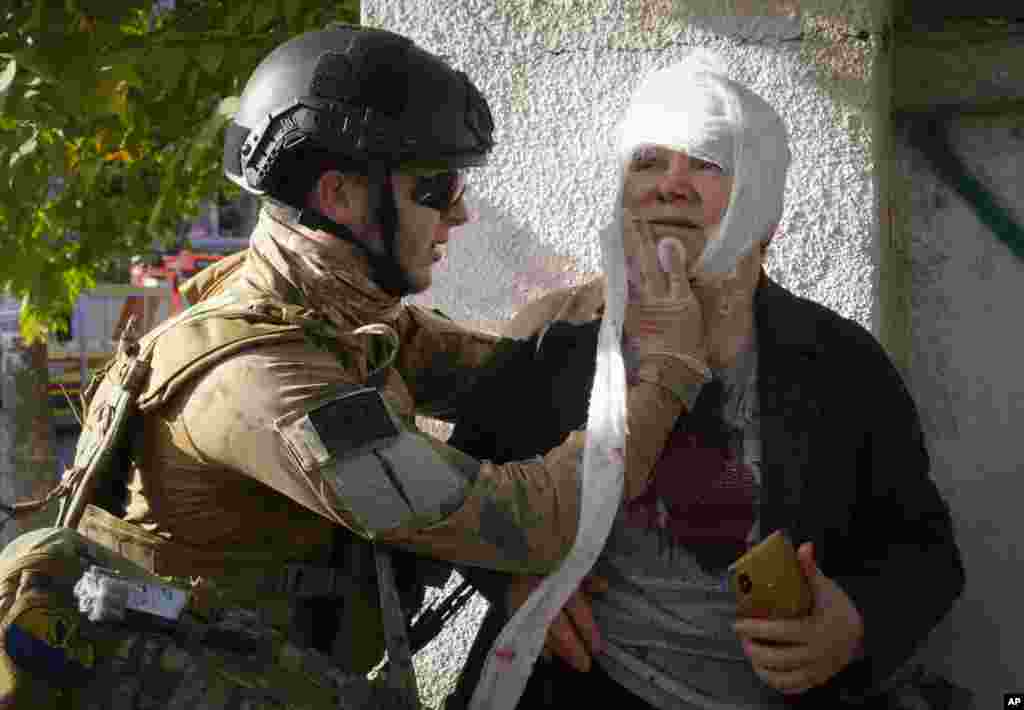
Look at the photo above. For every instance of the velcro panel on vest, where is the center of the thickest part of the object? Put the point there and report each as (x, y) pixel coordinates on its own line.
(383, 473)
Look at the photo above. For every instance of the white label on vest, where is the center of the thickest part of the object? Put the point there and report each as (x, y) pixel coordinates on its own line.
(105, 595)
(157, 599)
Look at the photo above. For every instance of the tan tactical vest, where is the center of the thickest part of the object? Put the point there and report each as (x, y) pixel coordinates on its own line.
(144, 376)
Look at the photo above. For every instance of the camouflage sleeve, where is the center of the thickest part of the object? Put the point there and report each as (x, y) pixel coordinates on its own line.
(439, 358)
(515, 517)
(521, 516)
(386, 481)
(257, 414)
(576, 304)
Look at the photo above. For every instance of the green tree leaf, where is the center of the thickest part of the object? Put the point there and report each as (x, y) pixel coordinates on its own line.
(110, 11)
(24, 150)
(210, 56)
(204, 140)
(44, 61)
(169, 65)
(242, 10)
(89, 169)
(293, 13)
(229, 106)
(264, 13)
(7, 79)
(191, 83)
(7, 76)
(107, 96)
(35, 21)
(125, 67)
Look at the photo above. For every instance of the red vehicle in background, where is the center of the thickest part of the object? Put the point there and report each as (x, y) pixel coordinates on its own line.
(171, 269)
(152, 295)
(219, 230)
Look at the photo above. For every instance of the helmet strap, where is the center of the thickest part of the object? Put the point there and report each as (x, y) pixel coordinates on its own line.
(316, 220)
(385, 270)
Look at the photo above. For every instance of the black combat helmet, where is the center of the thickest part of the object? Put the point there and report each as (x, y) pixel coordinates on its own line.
(363, 96)
(358, 100)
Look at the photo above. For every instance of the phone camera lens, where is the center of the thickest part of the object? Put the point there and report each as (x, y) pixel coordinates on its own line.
(744, 583)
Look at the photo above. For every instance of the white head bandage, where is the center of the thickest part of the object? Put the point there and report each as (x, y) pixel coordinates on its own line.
(693, 107)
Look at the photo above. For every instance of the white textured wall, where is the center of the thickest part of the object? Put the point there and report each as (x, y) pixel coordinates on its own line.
(967, 351)
(558, 75)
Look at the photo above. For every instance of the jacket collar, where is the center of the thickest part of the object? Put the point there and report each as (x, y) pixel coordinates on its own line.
(330, 277)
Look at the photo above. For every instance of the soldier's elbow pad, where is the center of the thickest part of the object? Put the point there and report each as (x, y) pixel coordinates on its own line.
(385, 475)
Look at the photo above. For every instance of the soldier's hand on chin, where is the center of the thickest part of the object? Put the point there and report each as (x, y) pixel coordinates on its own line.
(663, 316)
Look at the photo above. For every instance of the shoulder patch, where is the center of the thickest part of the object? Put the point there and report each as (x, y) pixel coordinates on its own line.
(351, 419)
(355, 420)
(383, 474)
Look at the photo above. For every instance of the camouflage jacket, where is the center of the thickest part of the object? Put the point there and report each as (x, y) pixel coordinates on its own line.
(224, 464)
(226, 471)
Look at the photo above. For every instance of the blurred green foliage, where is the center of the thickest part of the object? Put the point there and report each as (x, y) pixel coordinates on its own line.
(111, 120)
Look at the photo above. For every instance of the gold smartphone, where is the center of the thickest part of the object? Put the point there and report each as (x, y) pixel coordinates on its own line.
(768, 581)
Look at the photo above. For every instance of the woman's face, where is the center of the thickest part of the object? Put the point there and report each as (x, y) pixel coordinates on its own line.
(678, 195)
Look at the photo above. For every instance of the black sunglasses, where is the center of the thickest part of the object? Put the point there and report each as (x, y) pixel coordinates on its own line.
(439, 191)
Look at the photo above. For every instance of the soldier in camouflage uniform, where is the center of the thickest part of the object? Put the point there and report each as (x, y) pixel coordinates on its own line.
(277, 432)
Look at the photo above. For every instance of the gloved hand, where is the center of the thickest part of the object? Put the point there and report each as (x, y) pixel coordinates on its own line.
(663, 316)
(573, 636)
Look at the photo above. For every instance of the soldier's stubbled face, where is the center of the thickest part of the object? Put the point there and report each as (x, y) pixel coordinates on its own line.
(423, 232)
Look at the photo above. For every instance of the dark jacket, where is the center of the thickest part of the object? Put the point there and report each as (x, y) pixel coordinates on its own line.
(843, 464)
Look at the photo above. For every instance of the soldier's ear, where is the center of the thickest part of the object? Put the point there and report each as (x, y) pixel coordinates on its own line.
(343, 197)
